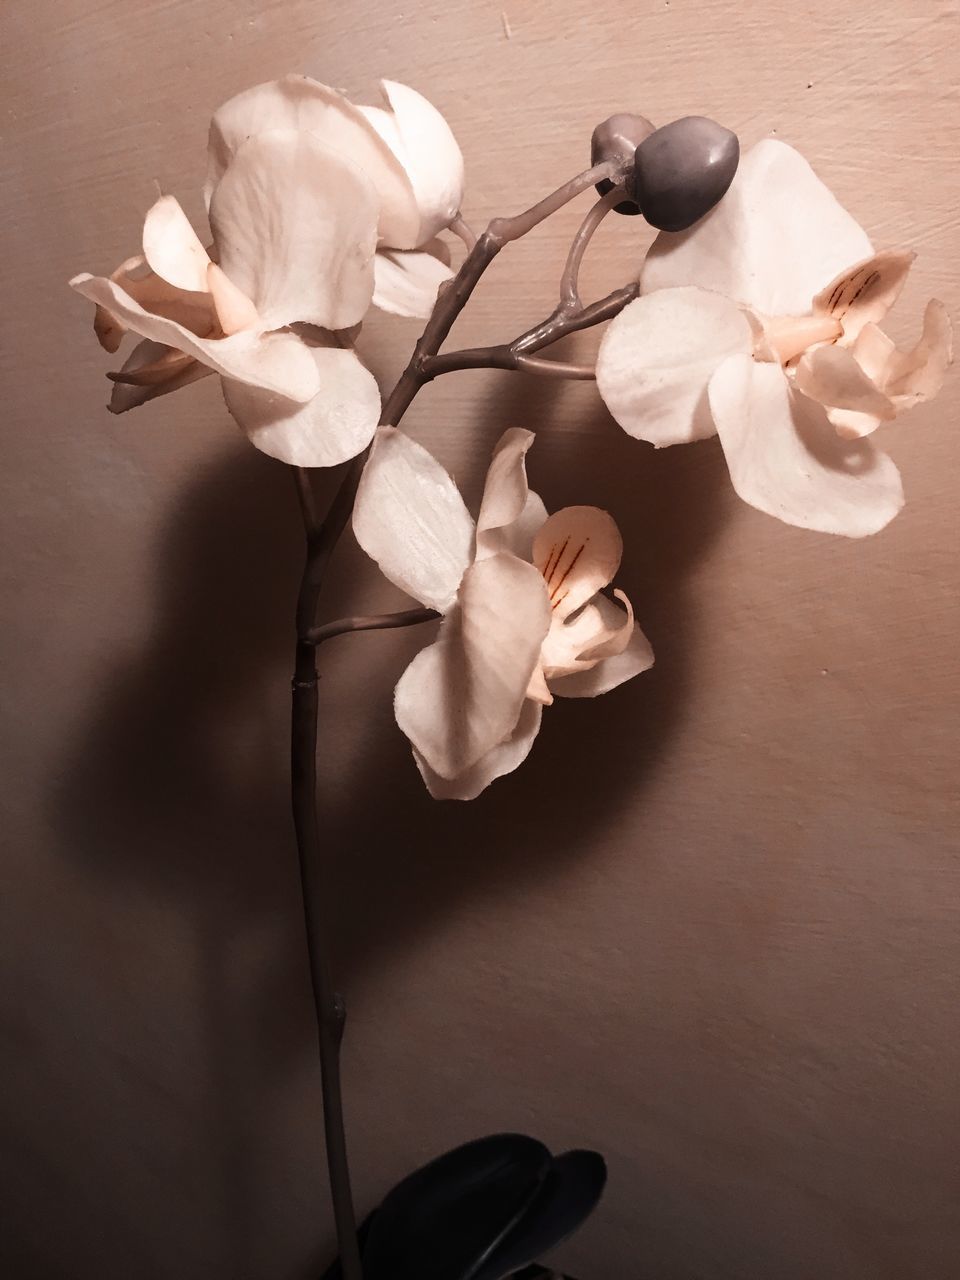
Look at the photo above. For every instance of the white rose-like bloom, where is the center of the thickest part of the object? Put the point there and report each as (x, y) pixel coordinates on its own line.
(303, 189)
(520, 594)
(406, 149)
(759, 324)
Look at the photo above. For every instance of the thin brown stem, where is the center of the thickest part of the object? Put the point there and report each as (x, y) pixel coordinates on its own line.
(569, 294)
(322, 537)
(460, 227)
(372, 622)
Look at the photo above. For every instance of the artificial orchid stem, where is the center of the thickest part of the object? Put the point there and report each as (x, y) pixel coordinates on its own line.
(322, 537)
(569, 293)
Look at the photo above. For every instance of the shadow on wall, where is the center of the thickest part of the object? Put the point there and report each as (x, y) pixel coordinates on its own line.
(180, 785)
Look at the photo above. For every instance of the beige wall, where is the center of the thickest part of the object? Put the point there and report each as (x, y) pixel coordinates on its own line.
(711, 927)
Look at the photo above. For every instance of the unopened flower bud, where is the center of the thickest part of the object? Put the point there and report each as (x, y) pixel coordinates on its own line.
(682, 170)
(617, 139)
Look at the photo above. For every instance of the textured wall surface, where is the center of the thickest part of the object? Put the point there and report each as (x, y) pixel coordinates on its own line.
(712, 927)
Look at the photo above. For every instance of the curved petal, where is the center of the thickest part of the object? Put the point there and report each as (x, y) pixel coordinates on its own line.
(278, 362)
(786, 459)
(193, 310)
(463, 695)
(657, 357)
(865, 292)
(578, 551)
(510, 514)
(337, 424)
(918, 374)
(635, 656)
(406, 281)
(295, 226)
(833, 377)
(126, 395)
(772, 243)
(302, 104)
(424, 144)
(172, 248)
(410, 518)
(599, 630)
(499, 760)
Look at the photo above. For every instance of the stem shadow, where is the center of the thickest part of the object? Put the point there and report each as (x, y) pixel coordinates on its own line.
(175, 788)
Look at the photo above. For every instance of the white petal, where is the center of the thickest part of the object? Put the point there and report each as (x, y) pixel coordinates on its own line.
(425, 146)
(406, 281)
(918, 374)
(410, 518)
(578, 551)
(279, 362)
(172, 247)
(295, 226)
(234, 309)
(636, 656)
(510, 514)
(786, 459)
(191, 309)
(298, 103)
(501, 759)
(126, 396)
(832, 376)
(337, 424)
(657, 357)
(865, 292)
(597, 631)
(852, 425)
(772, 243)
(464, 694)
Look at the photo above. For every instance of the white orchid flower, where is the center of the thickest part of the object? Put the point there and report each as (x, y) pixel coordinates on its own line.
(408, 152)
(760, 324)
(519, 591)
(294, 229)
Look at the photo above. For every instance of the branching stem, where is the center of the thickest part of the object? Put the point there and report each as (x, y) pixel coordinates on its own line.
(322, 536)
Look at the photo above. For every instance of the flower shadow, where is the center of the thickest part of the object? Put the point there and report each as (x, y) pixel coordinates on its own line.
(177, 791)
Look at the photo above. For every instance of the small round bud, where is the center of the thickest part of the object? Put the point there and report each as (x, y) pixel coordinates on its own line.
(617, 138)
(682, 170)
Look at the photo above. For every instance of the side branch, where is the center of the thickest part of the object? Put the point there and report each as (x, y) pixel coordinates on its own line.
(373, 622)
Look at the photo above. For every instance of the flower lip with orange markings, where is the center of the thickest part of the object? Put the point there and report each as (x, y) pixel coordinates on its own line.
(318, 208)
(761, 325)
(524, 617)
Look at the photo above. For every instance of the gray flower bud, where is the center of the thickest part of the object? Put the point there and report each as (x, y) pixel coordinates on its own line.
(682, 170)
(617, 138)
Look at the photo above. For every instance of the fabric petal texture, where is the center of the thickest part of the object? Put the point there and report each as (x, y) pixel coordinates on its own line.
(658, 356)
(498, 761)
(608, 672)
(918, 374)
(295, 226)
(406, 281)
(578, 551)
(832, 376)
(865, 292)
(281, 363)
(172, 248)
(773, 242)
(510, 514)
(424, 144)
(194, 310)
(304, 105)
(463, 695)
(785, 457)
(336, 424)
(410, 518)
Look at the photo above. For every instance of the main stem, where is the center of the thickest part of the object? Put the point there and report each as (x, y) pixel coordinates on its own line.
(322, 537)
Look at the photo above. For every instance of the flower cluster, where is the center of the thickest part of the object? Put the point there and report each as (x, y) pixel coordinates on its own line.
(317, 209)
(757, 320)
